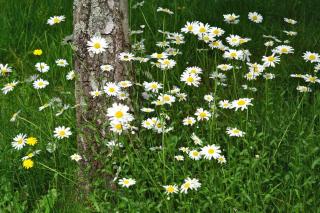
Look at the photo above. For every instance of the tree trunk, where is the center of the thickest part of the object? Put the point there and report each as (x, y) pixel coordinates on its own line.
(108, 19)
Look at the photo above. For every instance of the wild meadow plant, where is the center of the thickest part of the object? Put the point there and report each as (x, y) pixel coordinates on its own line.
(208, 123)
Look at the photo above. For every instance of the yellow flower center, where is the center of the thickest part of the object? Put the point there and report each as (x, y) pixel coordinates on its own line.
(211, 151)
(312, 57)
(190, 79)
(170, 189)
(271, 58)
(62, 133)
(166, 98)
(126, 182)
(56, 20)
(118, 114)
(216, 31)
(202, 114)
(195, 153)
(97, 45)
(241, 102)
(202, 30)
(233, 54)
(235, 131)
(118, 126)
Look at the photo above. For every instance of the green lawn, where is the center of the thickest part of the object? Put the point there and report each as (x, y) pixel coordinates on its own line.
(274, 168)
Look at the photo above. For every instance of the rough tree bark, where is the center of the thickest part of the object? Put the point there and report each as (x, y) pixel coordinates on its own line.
(109, 19)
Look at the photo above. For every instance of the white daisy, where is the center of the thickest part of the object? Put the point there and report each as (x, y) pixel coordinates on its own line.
(55, 20)
(42, 67)
(210, 151)
(97, 45)
(19, 141)
(234, 132)
(202, 114)
(40, 83)
(111, 89)
(61, 132)
(62, 62)
(127, 182)
(255, 17)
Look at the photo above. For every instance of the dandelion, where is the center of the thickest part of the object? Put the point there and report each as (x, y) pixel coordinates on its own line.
(234, 132)
(62, 132)
(28, 163)
(97, 45)
(55, 20)
(31, 141)
(211, 151)
(127, 182)
(40, 84)
(37, 52)
(19, 141)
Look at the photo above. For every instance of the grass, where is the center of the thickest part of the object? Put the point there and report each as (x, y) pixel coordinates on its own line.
(282, 127)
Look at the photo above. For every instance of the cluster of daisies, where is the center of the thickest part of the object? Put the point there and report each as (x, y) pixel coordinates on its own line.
(19, 142)
(160, 96)
(309, 79)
